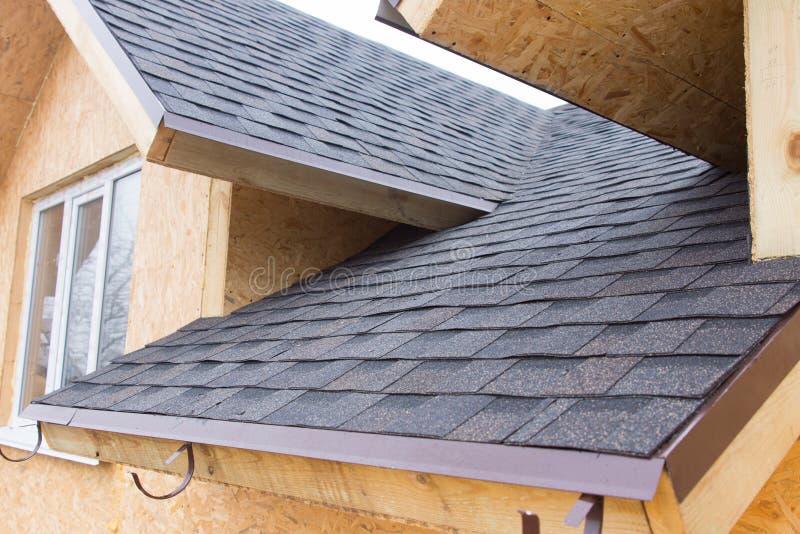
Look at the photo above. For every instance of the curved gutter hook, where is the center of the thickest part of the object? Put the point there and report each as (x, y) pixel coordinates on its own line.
(186, 479)
(30, 454)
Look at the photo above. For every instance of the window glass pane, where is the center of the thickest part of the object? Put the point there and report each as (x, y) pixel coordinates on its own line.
(81, 294)
(117, 288)
(42, 303)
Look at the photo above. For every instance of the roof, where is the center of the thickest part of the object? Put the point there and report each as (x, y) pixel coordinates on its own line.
(270, 72)
(596, 309)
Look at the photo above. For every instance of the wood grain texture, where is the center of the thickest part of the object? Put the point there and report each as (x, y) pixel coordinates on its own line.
(30, 35)
(730, 485)
(124, 99)
(103, 500)
(650, 65)
(216, 255)
(169, 263)
(663, 512)
(432, 501)
(277, 240)
(773, 121)
(71, 129)
(776, 508)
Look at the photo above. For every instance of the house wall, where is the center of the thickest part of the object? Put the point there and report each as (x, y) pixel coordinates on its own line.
(73, 126)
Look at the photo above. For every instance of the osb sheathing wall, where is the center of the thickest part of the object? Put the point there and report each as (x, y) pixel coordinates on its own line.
(276, 240)
(72, 127)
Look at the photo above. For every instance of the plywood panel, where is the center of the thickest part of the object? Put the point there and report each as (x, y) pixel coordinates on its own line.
(29, 38)
(773, 93)
(612, 67)
(435, 501)
(776, 508)
(51, 495)
(276, 240)
(170, 254)
(72, 127)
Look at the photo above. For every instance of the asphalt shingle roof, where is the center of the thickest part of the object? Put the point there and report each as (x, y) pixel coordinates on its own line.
(597, 308)
(263, 69)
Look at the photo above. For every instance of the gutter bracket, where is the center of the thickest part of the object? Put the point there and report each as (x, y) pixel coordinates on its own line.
(30, 454)
(530, 522)
(189, 473)
(589, 508)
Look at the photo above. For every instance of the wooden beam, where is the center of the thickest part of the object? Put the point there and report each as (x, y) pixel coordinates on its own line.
(216, 256)
(671, 70)
(776, 508)
(726, 490)
(247, 167)
(433, 501)
(663, 512)
(125, 100)
(773, 122)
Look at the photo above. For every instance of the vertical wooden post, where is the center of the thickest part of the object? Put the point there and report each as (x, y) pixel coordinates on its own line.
(772, 51)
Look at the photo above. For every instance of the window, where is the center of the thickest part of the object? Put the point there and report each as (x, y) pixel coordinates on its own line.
(78, 282)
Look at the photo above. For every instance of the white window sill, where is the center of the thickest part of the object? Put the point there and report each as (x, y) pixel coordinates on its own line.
(24, 438)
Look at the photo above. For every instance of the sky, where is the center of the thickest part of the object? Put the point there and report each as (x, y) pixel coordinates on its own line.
(358, 16)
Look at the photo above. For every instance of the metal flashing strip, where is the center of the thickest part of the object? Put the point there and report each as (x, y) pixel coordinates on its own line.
(584, 472)
(211, 132)
(151, 104)
(691, 453)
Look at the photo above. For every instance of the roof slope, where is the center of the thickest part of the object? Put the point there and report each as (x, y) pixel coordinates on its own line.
(268, 71)
(597, 309)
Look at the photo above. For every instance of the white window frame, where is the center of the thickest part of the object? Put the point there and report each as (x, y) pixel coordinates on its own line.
(22, 432)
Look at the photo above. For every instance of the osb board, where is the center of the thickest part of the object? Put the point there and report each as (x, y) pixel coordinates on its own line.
(276, 240)
(613, 77)
(29, 38)
(436, 501)
(773, 123)
(776, 508)
(51, 495)
(72, 127)
(169, 255)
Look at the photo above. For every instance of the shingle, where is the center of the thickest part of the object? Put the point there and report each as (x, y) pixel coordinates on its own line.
(720, 301)
(475, 296)
(418, 415)
(498, 419)
(780, 270)
(109, 397)
(313, 349)
(620, 264)
(603, 310)
(193, 401)
(727, 336)
(657, 337)
(654, 281)
(561, 377)
(640, 425)
(250, 374)
(445, 344)
(72, 394)
(559, 340)
(369, 346)
(200, 374)
(562, 289)
(251, 404)
(145, 400)
(199, 353)
(450, 376)
(788, 301)
(550, 411)
(249, 351)
(372, 375)
(417, 320)
(310, 375)
(676, 376)
(116, 375)
(494, 316)
(322, 409)
(707, 254)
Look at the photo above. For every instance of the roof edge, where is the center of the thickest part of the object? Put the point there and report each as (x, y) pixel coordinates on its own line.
(136, 104)
(557, 469)
(692, 452)
(264, 147)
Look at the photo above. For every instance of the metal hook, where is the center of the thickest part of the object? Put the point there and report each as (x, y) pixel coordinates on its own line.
(33, 452)
(189, 473)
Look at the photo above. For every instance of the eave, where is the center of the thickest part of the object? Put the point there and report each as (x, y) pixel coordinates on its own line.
(205, 149)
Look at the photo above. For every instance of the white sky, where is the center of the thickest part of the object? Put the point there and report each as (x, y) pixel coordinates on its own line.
(358, 16)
